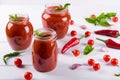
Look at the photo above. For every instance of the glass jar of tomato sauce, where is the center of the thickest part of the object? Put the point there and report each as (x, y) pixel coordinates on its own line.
(56, 19)
(19, 32)
(44, 50)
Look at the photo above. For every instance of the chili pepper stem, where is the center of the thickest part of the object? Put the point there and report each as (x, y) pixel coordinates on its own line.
(101, 40)
(81, 37)
(118, 34)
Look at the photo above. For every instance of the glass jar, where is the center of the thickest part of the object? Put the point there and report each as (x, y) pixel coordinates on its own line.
(19, 32)
(45, 50)
(56, 19)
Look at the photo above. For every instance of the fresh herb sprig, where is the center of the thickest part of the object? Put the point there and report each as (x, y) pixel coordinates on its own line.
(40, 34)
(88, 49)
(62, 7)
(117, 75)
(101, 19)
(13, 54)
(14, 17)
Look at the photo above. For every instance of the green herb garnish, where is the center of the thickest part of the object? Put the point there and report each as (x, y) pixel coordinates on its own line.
(88, 49)
(14, 17)
(61, 7)
(13, 54)
(101, 19)
(40, 34)
(118, 75)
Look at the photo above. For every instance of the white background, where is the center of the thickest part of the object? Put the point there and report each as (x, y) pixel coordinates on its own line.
(79, 10)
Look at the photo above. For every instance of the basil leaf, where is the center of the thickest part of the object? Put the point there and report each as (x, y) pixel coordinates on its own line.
(61, 7)
(109, 15)
(40, 34)
(103, 22)
(88, 49)
(91, 20)
(118, 75)
(101, 16)
(14, 17)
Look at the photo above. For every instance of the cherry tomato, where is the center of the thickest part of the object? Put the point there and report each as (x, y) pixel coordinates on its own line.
(91, 62)
(76, 52)
(93, 16)
(96, 66)
(73, 33)
(18, 62)
(106, 58)
(71, 22)
(114, 61)
(90, 42)
(115, 19)
(28, 75)
(87, 33)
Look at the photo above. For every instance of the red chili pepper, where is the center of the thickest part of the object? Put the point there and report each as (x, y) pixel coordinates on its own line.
(110, 43)
(71, 43)
(111, 33)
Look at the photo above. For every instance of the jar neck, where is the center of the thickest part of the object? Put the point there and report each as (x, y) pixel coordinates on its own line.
(50, 8)
(21, 18)
(46, 31)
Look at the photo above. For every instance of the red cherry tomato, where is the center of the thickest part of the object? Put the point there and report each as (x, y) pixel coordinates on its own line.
(114, 61)
(93, 16)
(106, 58)
(90, 42)
(73, 33)
(87, 33)
(18, 62)
(91, 62)
(28, 75)
(76, 52)
(115, 19)
(96, 66)
(71, 22)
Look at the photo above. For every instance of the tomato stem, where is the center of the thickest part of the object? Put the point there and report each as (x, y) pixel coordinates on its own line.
(81, 37)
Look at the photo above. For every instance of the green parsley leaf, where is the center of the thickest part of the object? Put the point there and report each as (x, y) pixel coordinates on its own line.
(88, 49)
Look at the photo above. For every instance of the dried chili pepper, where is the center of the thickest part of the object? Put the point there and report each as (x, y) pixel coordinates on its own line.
(111, 33)
(72, 42)
(110, 43)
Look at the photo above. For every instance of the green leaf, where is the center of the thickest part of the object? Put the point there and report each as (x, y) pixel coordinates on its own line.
(88, 49)
(103, 22)
(62, 7)
(14, 17)
(101, 16)
(40, 34)
(111, 14)
(118, 75)
(91, 20)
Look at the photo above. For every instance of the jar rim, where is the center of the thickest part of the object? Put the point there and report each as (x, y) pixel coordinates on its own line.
(49, 30)
(26, 16)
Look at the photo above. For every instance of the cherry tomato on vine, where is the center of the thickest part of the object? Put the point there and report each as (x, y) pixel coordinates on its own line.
(114, 61)
(28, 75)
(115, 19)
(73, 33)
(96, 66)
(91, 62)
(90, 42)
(93, 16)
(106, 58)
(71, 22)
(87, 33)
(76, 52)
(18, 62)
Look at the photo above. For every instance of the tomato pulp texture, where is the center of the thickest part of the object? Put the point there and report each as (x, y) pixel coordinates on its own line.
(19, 33)
(44, 53)
(57, 20)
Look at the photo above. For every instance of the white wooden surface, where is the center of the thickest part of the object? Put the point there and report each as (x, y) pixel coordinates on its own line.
(79, 10)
